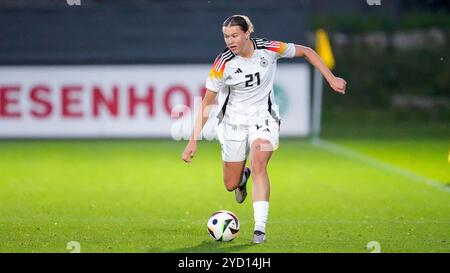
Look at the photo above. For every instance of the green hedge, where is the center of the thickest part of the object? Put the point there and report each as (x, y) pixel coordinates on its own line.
(352, 23)
(374, 75)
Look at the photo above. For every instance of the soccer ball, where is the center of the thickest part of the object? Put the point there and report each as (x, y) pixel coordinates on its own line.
(223, 225)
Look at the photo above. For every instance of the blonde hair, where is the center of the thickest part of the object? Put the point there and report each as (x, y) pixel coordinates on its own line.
(239, 20)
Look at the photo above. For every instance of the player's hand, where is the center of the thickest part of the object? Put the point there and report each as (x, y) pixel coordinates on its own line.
(338, 85)
(189, 151)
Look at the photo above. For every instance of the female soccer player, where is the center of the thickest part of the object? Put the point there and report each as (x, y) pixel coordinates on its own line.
(249, 119)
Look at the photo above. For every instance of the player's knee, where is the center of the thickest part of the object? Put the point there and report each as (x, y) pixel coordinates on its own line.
(230, 187)
(259, 168)
(231, 184)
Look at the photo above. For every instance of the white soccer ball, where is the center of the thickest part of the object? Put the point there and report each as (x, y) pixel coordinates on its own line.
(223, 225)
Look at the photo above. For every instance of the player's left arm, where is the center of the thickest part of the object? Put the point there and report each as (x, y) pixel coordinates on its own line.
(338, 84)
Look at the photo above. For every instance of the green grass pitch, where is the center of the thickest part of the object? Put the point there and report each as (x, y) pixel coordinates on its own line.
(138, 196)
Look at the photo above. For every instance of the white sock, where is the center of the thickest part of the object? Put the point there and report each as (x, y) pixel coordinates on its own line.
(261, 213)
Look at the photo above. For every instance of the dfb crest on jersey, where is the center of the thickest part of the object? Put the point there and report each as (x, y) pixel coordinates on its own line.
(263, 62)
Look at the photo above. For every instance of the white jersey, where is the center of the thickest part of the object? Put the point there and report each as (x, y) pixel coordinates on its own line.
(245, 85)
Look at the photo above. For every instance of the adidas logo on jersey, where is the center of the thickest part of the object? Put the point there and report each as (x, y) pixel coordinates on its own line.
(238, 71)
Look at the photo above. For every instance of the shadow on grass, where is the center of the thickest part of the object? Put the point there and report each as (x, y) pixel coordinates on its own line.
(209, 247)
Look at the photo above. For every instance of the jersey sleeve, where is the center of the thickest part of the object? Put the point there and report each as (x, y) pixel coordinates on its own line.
(216, 77)
(280, 49)
(215, 80)
(287, 50)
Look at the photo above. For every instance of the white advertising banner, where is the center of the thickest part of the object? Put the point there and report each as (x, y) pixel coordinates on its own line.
(127, 100)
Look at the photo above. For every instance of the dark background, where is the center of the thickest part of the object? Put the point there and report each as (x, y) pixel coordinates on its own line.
(395, 57)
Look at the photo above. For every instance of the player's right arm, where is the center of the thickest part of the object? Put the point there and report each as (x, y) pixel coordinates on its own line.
(214, 83)
(202, 118)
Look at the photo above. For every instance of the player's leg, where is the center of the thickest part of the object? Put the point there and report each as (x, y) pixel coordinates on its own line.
(260, 153)
(263, 141)
(234, 155)
(235, 177)
(232, 174)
